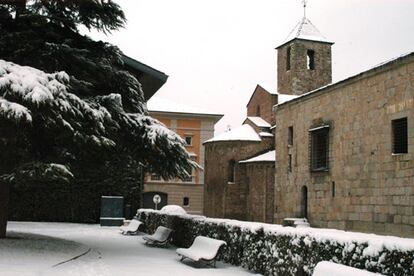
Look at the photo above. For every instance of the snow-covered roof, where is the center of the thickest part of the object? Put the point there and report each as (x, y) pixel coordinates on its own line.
(269, 156)
(242, 133)
(281, 98)
(258, 121)
(165, 105)
(265, 134)
(305, 30)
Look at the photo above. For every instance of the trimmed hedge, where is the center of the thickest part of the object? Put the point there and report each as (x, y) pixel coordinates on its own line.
(276, 250)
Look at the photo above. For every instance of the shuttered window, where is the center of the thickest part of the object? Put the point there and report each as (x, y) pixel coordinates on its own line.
(319, 148)
(399, 136)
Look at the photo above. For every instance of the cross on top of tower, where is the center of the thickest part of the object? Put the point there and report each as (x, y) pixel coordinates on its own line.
(304, 2)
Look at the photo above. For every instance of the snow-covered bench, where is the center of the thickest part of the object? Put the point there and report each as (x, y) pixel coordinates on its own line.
(328, 268)
(161, 236)
(203, 249)
(131, 228)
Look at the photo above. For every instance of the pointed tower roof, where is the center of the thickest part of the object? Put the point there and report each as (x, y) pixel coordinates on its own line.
(307, 31)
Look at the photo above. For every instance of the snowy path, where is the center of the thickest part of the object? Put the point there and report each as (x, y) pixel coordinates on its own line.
(106, 253)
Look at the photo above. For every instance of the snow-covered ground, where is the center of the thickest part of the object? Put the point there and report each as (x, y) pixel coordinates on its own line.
(45, 249)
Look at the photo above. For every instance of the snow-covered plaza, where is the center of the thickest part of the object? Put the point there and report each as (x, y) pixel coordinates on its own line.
(38, 248)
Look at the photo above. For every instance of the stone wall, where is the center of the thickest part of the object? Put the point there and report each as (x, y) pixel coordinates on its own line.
(265, 100)
(259, 178)
(221, 198)
(367, 188)
(299, 79)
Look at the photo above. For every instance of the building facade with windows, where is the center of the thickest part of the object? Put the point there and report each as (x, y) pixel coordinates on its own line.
(240, 164)
(345, 151)
(351, 152)
(195, 126)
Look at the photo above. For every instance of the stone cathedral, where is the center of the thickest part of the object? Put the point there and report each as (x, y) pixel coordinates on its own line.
(339, 154)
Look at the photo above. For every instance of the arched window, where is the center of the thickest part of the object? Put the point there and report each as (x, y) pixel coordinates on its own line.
(232, 171)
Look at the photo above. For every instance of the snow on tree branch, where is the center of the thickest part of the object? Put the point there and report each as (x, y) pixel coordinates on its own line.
(14, 112)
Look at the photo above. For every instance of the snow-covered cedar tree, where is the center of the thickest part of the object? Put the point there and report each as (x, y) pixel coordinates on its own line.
(68, 106)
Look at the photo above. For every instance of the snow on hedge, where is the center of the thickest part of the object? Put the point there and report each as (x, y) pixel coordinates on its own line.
(275, 249)
(329, 268)
(375, 242)
(173, 210)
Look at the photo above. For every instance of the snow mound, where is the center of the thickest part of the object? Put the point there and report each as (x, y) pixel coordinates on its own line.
(328, 268)
(173, 210)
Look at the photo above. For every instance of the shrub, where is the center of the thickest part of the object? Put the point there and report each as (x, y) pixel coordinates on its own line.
(276, 250)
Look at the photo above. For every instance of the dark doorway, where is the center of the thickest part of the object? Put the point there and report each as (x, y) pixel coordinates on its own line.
(304, 202)
(148, 202)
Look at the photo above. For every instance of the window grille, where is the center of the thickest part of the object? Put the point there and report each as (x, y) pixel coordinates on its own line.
(399, 136)
(319, 148)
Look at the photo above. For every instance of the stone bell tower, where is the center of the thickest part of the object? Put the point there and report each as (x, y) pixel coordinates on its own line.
(304, 60)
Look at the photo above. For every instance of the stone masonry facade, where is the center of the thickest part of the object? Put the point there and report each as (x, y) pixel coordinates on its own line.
(259, 180)
(299, 79)
(366, 187)
(262, 101)
(226, 199)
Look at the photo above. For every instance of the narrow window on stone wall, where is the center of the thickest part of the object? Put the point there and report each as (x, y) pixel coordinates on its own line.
(258, 111)
(289, 162)
(319, 148)
(288, 59)
(232, 171)
(290, 136)
(399, 136)
(333, 188)
(186, 201)
(311, 59)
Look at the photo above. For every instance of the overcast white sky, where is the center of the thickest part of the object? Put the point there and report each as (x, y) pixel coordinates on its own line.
(216, 51)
